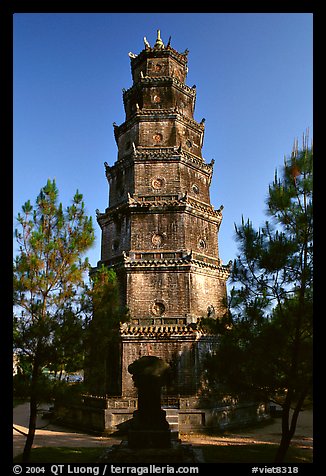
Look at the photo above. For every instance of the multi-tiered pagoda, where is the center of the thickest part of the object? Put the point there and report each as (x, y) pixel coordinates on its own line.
(160, 231)
(160, 235)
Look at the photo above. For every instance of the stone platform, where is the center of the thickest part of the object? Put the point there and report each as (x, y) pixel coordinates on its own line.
(149, 439)
(178, 453)
(107, 416)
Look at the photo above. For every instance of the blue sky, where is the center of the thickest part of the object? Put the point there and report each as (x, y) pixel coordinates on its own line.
(253, 73)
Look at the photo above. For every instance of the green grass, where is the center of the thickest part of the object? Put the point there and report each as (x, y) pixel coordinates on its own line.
(63, 455)
(255, 453)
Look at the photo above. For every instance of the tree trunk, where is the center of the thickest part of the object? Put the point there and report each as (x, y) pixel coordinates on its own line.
(285, 440)
(289, 426)
(31, 430)
(33, 413)
(283, 448)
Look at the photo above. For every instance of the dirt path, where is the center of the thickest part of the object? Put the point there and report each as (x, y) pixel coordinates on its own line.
(269, 433)
(48, 434)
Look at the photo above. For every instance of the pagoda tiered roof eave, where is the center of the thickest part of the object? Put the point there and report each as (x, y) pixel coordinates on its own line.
(155, 153)
(161, 331)
(144, 115)
(182, 58)
(220, 271)
(160, 80)
(189, 261)
(167, 203)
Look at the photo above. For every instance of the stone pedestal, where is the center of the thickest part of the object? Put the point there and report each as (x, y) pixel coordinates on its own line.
(149, 438)
(149, 427)
(178, 453)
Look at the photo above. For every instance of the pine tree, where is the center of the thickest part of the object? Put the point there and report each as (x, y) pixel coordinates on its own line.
(103, 333)
(48, 276)
(266, 347)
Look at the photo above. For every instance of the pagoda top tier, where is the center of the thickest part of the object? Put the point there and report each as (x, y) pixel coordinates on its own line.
(159, 60)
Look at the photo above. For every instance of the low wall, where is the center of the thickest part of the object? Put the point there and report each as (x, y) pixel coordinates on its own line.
(106, 418)
(222, 418)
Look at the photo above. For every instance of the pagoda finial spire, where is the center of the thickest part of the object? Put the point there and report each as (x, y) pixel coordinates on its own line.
(159, 43)
(147, 45)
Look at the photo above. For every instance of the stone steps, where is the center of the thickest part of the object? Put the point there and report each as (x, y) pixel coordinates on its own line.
(172, 417)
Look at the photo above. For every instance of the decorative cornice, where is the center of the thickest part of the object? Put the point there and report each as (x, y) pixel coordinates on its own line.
(178, 203)
(191, 259)
(144, 115)
(149, 52)
(156, 80)
(174, 201)
(161, 331)
(174, 153)
(204, 207)
(159, 201)
(173, 113)
(147, 153)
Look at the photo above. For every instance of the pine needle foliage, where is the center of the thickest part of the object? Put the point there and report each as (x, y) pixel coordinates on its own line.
(266, 344)
(48, 280)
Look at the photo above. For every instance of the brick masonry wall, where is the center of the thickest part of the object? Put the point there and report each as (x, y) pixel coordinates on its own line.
(178, 230)
(180, 353)
(169, 288)
(159, 230)
(183, 293)
(147, 172)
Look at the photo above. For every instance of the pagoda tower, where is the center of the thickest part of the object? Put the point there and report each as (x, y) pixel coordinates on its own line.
(160, 231)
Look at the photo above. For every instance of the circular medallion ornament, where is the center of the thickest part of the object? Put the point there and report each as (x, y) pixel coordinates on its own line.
(158, 308)
(202, 244)
(157, 239)
(195, 189)
(156, 98)
(158, 183)
(157, 137)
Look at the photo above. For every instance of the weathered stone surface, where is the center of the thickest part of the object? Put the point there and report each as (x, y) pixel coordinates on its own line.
(160, 234)
(177, 454)
(149, 427)
(160, 230)
(180, 346)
